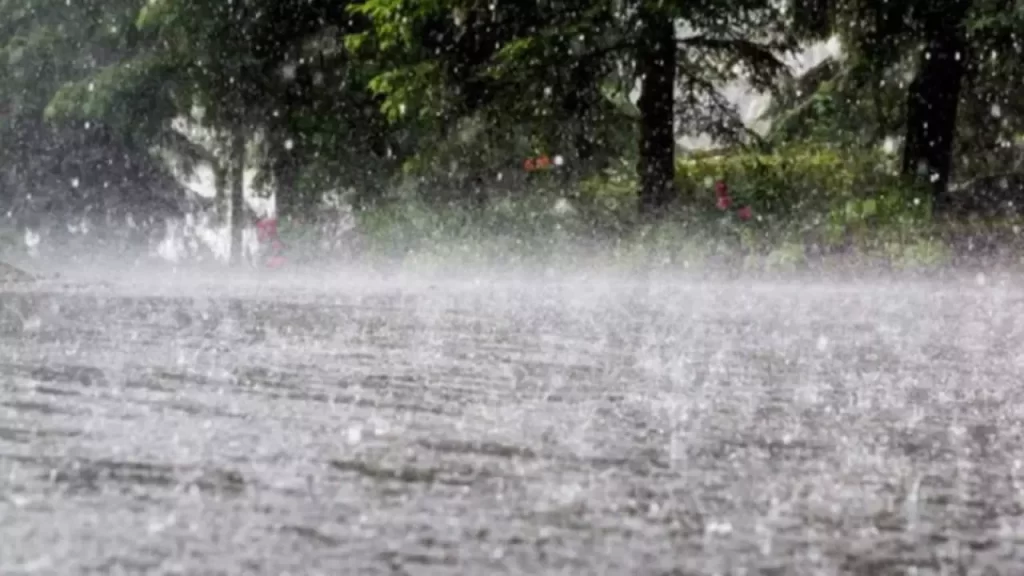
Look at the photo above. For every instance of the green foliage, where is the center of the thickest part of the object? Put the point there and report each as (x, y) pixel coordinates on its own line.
(557, 75)
(794, 179)
(450, 96)
(48, 45)
(862, 98)
(815, 206)
(528, 229)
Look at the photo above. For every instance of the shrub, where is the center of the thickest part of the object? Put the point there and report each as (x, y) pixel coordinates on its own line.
(808, 202)
(802, 180)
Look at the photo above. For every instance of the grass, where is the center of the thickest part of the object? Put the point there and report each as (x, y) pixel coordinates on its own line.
(552, 231)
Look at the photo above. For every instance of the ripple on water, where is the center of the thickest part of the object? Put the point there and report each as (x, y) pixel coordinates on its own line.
(485, 429)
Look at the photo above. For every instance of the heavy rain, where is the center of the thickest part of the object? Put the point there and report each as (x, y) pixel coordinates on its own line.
(373, 287)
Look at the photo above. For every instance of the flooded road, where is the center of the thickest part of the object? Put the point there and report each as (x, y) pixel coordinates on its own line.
(555, 427)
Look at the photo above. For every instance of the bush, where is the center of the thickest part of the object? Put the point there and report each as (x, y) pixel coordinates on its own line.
(807, 182)
(532, 227)
(810, 204)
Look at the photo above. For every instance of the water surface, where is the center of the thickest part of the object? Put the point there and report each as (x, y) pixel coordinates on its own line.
(583, 426)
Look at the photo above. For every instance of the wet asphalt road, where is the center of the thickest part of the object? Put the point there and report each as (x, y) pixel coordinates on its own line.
(576, 427)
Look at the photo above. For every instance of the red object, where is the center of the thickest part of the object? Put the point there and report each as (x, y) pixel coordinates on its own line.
(276, 261)
(538, 163)
(266, 230)
(745, 213)
(722, 192)
(267, 234)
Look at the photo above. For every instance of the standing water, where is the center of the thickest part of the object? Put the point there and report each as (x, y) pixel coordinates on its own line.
(557, 426)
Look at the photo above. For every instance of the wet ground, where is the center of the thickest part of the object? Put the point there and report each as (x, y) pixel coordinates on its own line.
(583, 427)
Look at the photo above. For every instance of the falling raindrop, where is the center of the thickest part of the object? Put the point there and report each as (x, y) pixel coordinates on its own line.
(354, 434)
(32, 241)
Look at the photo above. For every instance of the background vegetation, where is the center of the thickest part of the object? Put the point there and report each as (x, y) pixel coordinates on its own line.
(904, 150)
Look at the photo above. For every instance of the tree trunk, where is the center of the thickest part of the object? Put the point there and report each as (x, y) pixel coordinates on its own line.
(221, 203)
(582, 99)
(238, 213)
(657, 65)
(287, 197)
(932, 102)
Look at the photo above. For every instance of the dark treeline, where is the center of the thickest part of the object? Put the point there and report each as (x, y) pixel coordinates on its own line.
(457, 92)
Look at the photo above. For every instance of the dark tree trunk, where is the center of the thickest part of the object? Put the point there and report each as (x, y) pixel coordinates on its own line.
(288, 198)
(238, 212)
(932, 101)
(221, 202)
(291, 202)
(813, 18)
(657, 66)
(582, 98)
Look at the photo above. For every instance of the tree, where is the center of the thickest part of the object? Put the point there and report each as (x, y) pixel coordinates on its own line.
(528, 60)
(215, 68)
(933, 96)
(257, 68)
(656, 56)
(955, 54)
(59, 171)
